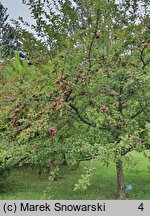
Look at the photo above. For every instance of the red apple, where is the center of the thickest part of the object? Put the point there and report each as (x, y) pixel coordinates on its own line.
(70, 90)
(145, 44)
(112, 94)
(52, 131)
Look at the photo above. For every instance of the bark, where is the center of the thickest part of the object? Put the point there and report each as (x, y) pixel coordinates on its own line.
(120, 181)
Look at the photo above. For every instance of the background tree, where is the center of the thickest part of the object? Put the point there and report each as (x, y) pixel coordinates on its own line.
(8, 42)
(15, 38)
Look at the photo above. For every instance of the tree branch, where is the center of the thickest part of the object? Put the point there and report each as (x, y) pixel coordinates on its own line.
(138, 113)
(142, 59)
(86, 121)
(125, 151)
(92, 41)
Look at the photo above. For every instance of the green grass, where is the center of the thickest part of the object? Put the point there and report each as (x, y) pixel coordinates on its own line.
(25, 184)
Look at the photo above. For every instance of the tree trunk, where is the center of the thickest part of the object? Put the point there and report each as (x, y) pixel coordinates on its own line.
(120, 180)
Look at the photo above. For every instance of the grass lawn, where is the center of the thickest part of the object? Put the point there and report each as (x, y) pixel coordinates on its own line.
(25, 184)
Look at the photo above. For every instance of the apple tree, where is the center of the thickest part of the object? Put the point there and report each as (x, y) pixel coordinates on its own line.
(104, 82)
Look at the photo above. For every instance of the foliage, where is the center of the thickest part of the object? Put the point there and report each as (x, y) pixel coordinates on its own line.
(57, 21)
(5, 164)
(84, 181)
(28, 116)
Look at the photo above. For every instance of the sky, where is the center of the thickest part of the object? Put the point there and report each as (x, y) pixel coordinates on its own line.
(16, 9)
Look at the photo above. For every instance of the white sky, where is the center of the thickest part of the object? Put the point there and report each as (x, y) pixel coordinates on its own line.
(16, 9)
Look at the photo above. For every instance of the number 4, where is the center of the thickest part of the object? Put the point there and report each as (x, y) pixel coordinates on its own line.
(141, 207)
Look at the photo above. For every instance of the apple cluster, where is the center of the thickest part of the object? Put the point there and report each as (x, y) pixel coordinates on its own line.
(65, 86)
